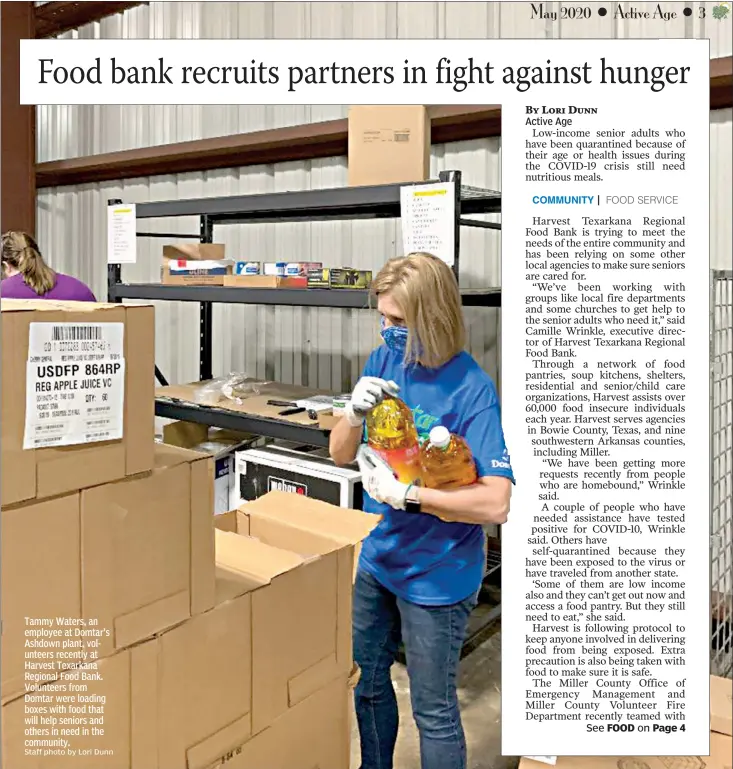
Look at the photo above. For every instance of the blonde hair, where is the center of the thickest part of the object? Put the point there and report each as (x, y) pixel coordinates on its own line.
(21, 253)
(426, 291)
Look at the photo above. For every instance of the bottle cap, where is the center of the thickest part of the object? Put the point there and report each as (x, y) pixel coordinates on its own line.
(440, 437)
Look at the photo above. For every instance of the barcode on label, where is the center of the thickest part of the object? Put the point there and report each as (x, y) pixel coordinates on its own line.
(76, 333)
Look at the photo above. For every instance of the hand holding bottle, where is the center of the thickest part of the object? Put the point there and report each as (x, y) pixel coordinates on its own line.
(368, 393)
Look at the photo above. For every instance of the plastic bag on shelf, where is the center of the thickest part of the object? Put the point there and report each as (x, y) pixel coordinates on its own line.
(236, 387)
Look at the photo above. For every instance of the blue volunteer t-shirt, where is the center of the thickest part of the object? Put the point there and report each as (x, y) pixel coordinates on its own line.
(418, 557)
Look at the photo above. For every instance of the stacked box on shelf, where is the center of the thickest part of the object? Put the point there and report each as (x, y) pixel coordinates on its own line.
(261, 679)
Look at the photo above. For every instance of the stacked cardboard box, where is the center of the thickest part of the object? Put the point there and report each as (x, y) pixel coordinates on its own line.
(721, 744)
(139, 632)
(388, 144)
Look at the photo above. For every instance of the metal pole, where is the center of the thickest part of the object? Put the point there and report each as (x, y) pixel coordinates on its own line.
(455, 177)
(114, 271)
(206, 314)
(114, 278)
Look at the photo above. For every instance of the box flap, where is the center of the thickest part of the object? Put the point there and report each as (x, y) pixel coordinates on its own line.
(169, 456)
(54, 305)
(721, 705)
(343, 526)
(252, 559)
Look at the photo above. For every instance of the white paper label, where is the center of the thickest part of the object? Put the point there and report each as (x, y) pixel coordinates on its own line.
(75, 384)
(316, 403)
(428, 216)
(121, 234)
(551, 760)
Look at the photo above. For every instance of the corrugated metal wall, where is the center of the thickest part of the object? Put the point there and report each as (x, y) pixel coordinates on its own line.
(316, 347)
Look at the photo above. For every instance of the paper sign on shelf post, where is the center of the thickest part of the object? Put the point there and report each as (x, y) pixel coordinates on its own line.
(121, 234)
(428, 214)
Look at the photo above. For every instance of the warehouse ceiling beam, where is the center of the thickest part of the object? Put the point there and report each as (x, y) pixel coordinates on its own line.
(309, 141)
(17, 125)
(300, 142)
(56, 18)
(721, 82)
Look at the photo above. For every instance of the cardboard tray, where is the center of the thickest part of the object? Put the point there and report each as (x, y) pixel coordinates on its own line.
(254, 406)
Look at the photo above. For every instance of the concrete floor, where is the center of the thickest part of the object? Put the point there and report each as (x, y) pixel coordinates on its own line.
(479, 694)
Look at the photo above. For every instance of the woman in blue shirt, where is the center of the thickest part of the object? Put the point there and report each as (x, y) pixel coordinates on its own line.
(421, 568)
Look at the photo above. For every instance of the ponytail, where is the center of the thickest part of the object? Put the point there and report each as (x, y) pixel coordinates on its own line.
(20, 252)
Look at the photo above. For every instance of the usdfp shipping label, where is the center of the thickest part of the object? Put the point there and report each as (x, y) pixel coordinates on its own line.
(75, 384)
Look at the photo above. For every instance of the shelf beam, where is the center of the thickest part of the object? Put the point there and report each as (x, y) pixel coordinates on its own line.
(346, 299)
(371, 202)
(239, 422)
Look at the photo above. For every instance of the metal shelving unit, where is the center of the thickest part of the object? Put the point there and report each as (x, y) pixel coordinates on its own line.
(375, 202)
(346, 203)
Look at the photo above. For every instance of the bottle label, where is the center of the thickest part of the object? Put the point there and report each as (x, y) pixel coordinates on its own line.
(405, 463)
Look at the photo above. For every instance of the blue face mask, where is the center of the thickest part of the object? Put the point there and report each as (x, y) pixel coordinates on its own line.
(395, 337)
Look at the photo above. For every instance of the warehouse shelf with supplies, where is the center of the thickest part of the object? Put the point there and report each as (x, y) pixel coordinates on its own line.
(227, 419)
(370, 202)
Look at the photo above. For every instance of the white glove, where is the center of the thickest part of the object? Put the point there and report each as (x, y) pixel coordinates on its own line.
(379, 481)
(368, 393)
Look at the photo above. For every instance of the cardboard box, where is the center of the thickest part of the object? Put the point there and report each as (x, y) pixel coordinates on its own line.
(265, 281)
(222, 446)
(388, 144)
(721, 705)
(259, 471)
(195, 251)
(294, 557)
(187, 274)
(314, 733)
(128, 689)
(39, 473)
(721, 747)
(155, 715)
(721, 744)
(147, 548)
(136, 555)
(341, 277)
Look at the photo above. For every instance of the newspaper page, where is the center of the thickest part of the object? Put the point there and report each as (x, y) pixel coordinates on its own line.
(570, 164)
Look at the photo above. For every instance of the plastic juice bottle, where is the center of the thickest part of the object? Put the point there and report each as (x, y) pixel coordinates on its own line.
(447, 462)
(391, 433)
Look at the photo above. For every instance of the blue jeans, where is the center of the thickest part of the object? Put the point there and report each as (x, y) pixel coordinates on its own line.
(433, 637)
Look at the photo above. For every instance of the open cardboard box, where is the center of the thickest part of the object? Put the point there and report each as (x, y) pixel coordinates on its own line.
(262, 679)
(136, 555)
(295, 557)
(721, 744)
(46, 472)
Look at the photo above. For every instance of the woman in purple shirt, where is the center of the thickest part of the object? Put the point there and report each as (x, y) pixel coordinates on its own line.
(27, 276)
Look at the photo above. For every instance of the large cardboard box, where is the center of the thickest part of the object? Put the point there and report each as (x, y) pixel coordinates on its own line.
(721, 748)
(388, 144)
(279, 635)
(82, 403)
(314, 733)
(121, 697)
(721, 744)
(295, 557)
(137, 556)
(147, 727)
(721, 705)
